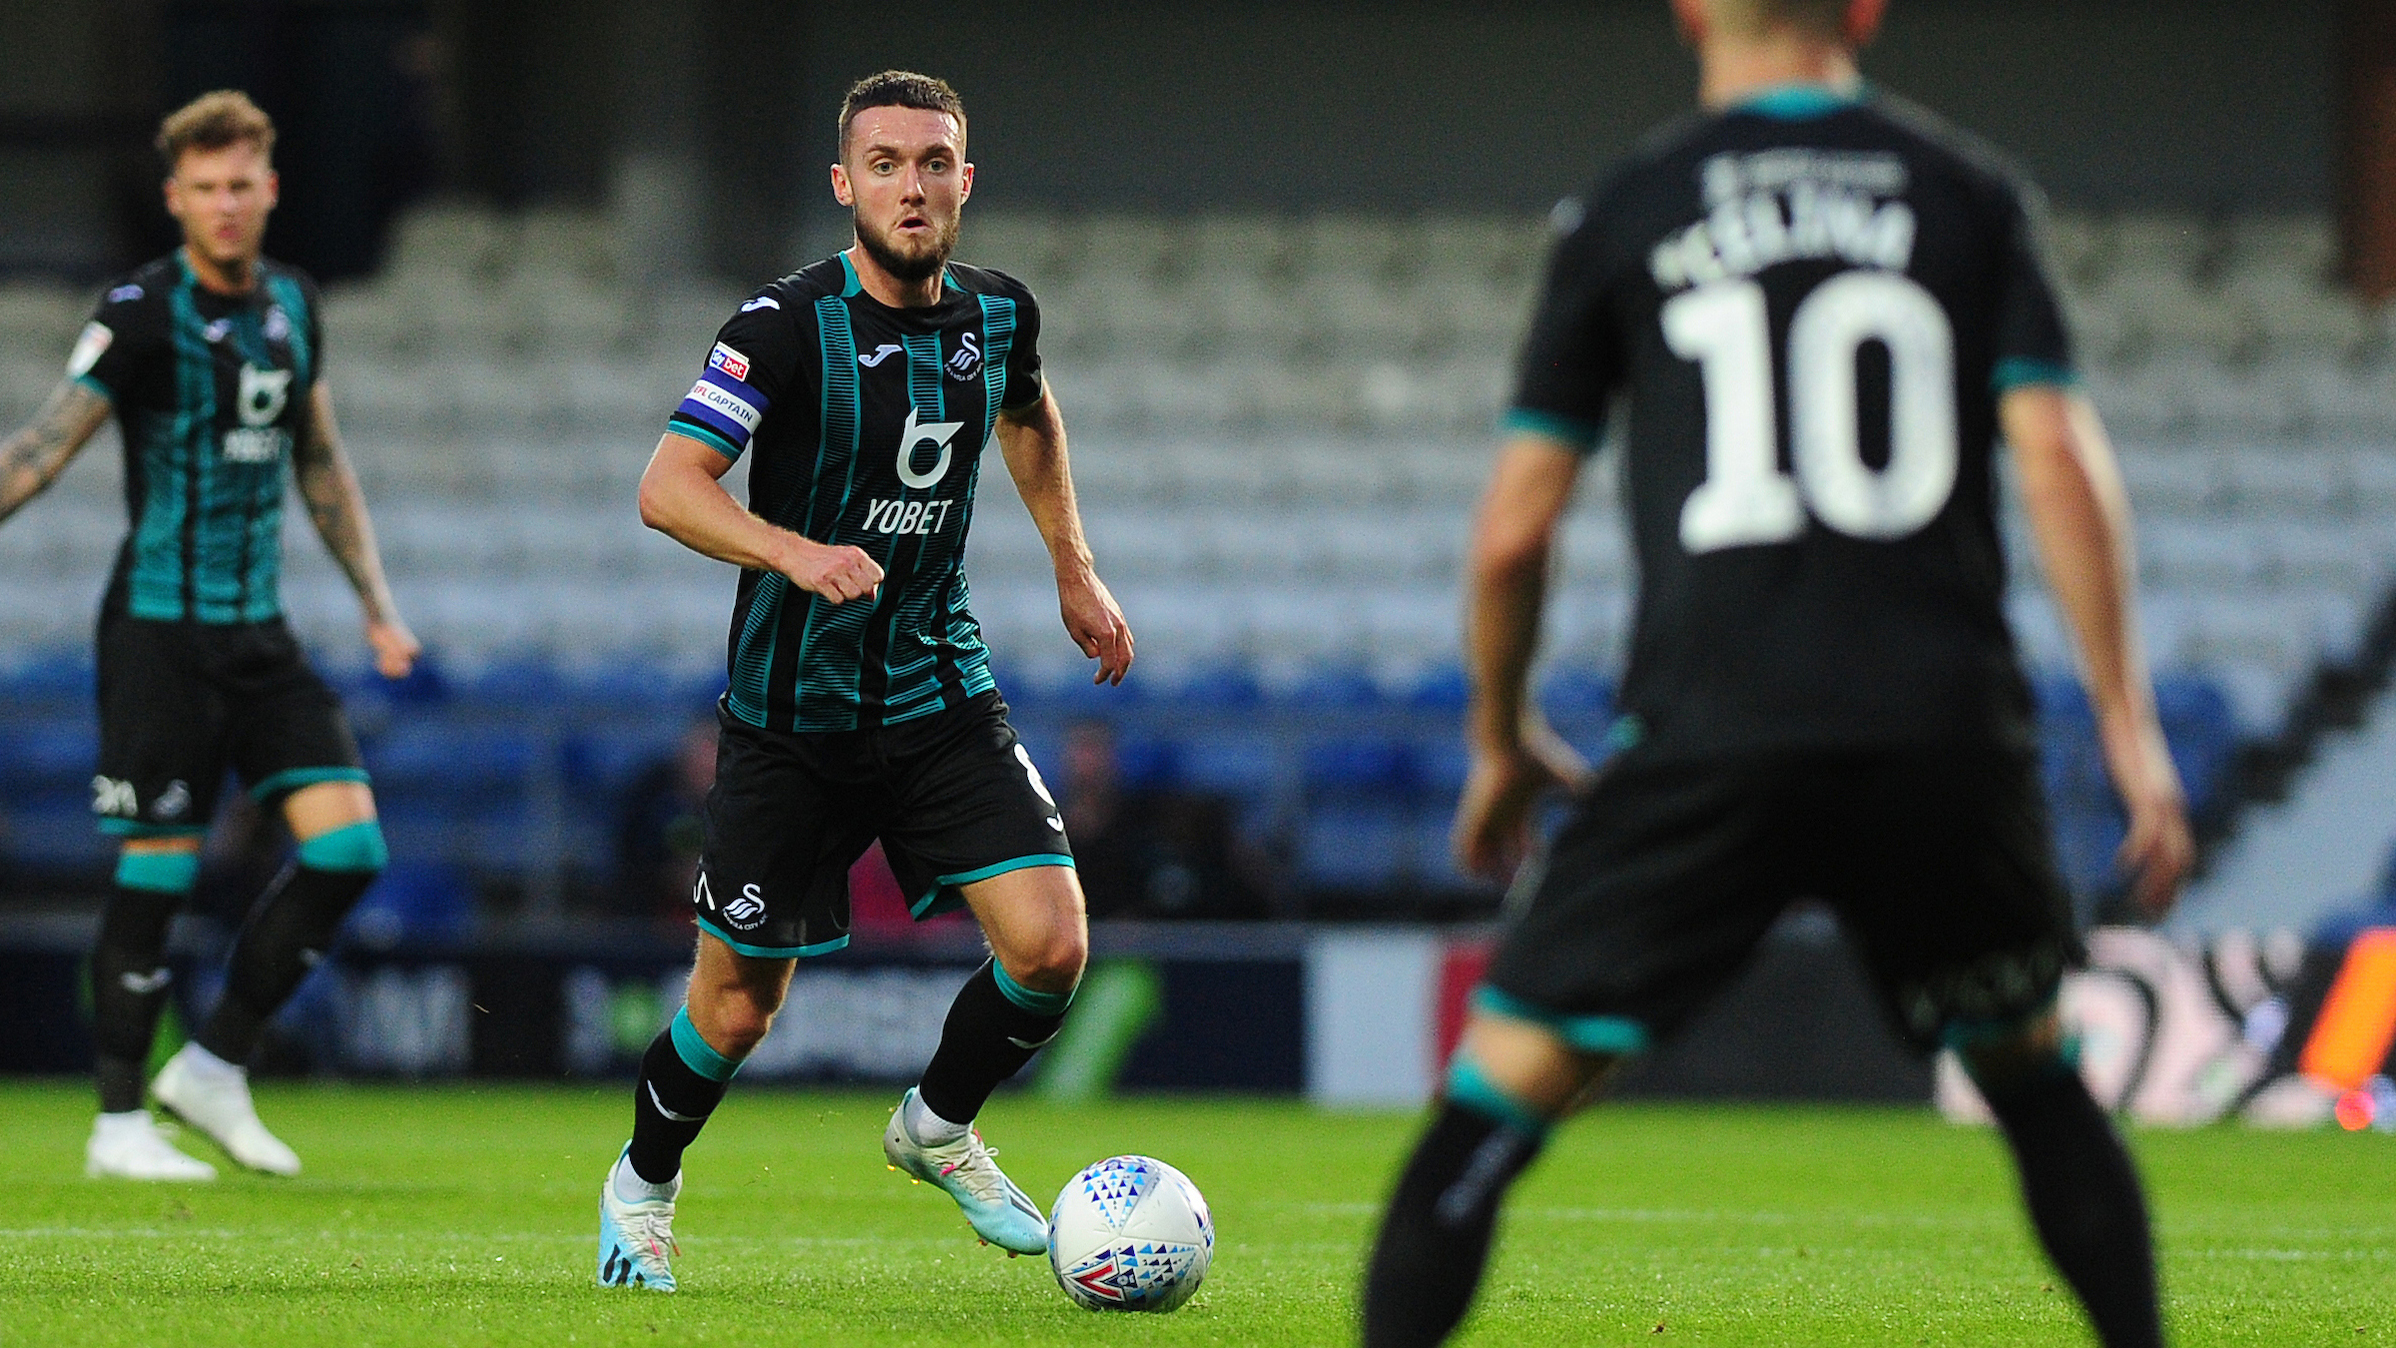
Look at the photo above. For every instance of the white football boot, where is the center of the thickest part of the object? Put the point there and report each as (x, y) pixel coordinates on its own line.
(213, 1096)
(635, 1239)
(130, 1146)
(2293, 1103)
(1000, 1213)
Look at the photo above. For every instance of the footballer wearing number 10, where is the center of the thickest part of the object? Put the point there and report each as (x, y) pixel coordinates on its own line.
(1816, 309)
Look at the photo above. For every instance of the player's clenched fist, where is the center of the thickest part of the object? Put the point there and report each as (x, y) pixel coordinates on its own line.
(839, 574)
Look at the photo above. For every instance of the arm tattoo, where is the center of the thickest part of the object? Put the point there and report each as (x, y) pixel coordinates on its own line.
(338, 508)
(34, 457)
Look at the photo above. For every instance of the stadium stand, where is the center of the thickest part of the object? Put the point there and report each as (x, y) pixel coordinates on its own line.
(1281, 426)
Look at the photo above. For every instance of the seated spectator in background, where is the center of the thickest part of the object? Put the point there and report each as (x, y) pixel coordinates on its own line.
(661, 828)
(1150, 852)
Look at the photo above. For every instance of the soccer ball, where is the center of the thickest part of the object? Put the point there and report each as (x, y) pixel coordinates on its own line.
(1130, 1233)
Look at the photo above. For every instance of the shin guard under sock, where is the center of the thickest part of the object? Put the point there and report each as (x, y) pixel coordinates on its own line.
(1434, 1243)
(993, 1028)
(2084, 1199)
(289, 931)
(682, 1081)
(129, 976)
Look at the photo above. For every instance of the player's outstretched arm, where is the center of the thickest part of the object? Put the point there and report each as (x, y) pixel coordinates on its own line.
(2079, 513)
(1515, 755)
(682, 498)
(33, 458)
(338, 509)
(1033, 441)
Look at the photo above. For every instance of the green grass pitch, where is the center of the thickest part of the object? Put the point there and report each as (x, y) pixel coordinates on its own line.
(462, 1215)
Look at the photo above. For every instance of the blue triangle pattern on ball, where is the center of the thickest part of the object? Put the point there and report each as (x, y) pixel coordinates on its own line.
(1116, 1186)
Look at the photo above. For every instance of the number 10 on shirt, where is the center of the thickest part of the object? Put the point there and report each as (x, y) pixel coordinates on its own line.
(1746, 499)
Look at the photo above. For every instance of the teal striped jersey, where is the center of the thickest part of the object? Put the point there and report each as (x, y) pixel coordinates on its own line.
(209, 391)
(865, 426)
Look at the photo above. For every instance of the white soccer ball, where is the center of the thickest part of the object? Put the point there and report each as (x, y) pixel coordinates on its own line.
(1130, 1233)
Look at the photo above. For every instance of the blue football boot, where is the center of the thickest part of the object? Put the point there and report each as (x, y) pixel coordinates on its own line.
(1000, 1213)
(635, 1239)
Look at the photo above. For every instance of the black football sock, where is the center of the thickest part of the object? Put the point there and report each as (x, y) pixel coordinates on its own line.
(129, 976)
(1434, 1242)
(289, 931)
(682, 1081)
(993, 1028)
(2084, 1198)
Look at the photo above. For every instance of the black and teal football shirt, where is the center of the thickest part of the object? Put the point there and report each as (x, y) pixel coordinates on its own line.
(1806, 308)
(209, 391)
(867, 425)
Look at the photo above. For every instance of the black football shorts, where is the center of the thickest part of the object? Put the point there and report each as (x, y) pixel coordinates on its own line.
(953, 796)
(181, 702)
(1937, 863)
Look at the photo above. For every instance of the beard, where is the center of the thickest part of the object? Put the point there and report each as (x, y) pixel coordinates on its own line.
(907, 267)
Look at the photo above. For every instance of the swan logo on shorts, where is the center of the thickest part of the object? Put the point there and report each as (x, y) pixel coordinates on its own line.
(114, 795)
(172, 803)
(746, 911)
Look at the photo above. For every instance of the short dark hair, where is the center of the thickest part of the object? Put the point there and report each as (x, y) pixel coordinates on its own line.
(900, 89)
(213, 121)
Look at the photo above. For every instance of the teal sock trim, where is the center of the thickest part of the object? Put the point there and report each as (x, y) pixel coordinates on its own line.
(1965, 1034)
(1038, 1003)
(1589, 1034)
(352, 847)
(158, 872)
(1469, 1089)
(695, 1053)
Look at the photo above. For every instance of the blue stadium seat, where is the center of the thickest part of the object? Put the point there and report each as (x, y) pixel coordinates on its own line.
(1244, 766)
(42, 757)
(413, 903)
(1440, 767)
(1575, 694)
(50, 675)
(601, 761)
(1356, 846)
(1148, 764)
(1219, 686)
(519, 681)
(1383, 768)
(1337, 686)
(448, 768)
(1441, 688)
(426, 685)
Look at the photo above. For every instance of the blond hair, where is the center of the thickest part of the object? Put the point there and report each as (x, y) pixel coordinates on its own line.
(213, 121)
(1752, 18)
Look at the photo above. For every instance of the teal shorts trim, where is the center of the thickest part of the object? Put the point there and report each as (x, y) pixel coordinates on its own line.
(292, 779)
(1580, 435)
(2024, 372)
(768, 952)
(134, 828)
(948, 895)
(1589, 1034)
